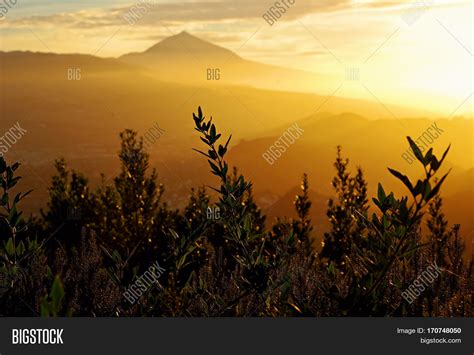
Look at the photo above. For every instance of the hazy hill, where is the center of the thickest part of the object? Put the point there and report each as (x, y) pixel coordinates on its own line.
(186, 58)
(184, 46)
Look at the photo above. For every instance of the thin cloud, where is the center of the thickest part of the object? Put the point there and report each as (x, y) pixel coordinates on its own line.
(182, 12)
(197, 11)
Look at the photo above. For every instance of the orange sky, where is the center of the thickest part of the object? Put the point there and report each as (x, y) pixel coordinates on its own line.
(415, 53)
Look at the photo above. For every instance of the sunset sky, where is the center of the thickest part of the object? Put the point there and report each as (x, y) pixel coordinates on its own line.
(422, 61)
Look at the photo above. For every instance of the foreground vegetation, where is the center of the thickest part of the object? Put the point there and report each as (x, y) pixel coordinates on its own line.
(222, 258)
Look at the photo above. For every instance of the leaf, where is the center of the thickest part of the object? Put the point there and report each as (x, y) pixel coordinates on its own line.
(116, 257)
(428, 156)
(5, 199)
(45, 308)
(9, 248)
(197, 150)
(14, 216)
(212, 134)
(434, 163)
(17, 198)
(214, 168)
(26, 194)
(20, 250)
(197, 121)
(418, 188)
(182, 260)
(221, 151)
(174, 234)
(57, 294)
(3, 165)
(224, 169)
(427, 190)
(444, 156)
(13, 181)
(212, 155)
(213, 188)
(377, 203)
(416, 150)
(403, 178)
(228, 140)
(381, 194)
(15, 166)
(435, 190)
(247, 223)
(9, 173)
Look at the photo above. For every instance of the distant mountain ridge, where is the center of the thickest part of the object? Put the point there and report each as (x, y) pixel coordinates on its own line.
(186, 58)
(187, 44)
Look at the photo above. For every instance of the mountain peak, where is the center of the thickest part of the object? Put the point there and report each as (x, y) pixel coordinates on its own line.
(188, 44)
(185, 34)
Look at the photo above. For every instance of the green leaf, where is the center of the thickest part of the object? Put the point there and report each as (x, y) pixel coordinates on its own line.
(381, 194)
(57, 294)
(247, 223)
(427, 190)
(45, 308)
(9, 248)
(116, 257)
(20, 250)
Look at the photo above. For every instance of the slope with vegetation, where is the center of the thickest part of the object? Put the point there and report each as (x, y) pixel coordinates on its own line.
(90, 244)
